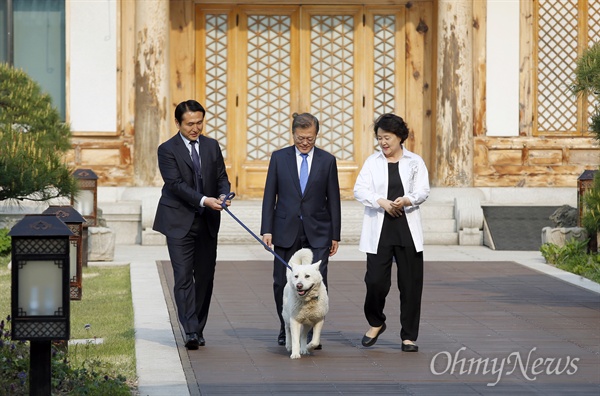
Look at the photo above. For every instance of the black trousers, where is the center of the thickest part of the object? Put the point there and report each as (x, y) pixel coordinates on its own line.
(378, 279)
(193, 259)
(279, 269)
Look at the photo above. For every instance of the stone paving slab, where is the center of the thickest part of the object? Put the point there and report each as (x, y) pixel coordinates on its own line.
(474, 315)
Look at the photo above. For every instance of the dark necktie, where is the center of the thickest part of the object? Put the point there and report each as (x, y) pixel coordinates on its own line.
(195, 157)
(303, 172)
(196, 162)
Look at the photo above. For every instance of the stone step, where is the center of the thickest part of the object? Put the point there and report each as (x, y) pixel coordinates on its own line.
(433, 225)
(131, 226)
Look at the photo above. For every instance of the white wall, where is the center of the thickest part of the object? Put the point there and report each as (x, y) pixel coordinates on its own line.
(92, 37)
(502, 68)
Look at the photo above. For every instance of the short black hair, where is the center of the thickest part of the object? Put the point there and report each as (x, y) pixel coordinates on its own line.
(392, 123)
(188, 105)
(303, 121)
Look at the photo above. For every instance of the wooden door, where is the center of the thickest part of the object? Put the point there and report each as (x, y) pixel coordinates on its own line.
(257, 65)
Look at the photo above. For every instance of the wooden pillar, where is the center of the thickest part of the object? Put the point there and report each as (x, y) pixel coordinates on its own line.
(454, 124)
(153, 113)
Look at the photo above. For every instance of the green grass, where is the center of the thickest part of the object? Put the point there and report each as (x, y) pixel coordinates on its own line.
(106, 307)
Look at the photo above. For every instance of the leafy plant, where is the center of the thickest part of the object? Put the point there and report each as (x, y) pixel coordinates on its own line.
(5, 243)
(587, 81)
(590, 218)
(33, 140)
(573, 257)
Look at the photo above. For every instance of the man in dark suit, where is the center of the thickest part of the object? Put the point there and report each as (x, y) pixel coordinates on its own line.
(189, 215)
(301, 204)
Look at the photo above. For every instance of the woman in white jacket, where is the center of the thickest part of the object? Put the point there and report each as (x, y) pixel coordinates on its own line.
(391, 185)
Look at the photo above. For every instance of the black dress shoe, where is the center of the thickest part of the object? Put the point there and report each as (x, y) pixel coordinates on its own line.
(409, 348)
(368, 341)
(191, 341)
(318, 347)
(281, 337)
(201, 340)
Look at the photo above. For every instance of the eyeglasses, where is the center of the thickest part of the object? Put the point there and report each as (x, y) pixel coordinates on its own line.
(302, 139)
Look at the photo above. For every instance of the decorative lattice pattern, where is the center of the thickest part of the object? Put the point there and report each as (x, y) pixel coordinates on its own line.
(557, 55)
(40, 330)
(216, 78)
(332, 82)
(41, 246)
(269, 47)
(384, 57)
(75, 292)
(384, 66)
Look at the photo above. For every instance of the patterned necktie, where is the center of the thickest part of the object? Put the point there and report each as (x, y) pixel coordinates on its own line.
(303, 172)
(195, 157)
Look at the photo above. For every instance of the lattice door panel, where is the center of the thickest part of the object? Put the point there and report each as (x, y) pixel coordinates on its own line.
(384, 61)
(269, 84)
(384, 66)
(557, 54)
(332, 82)
(216, 58)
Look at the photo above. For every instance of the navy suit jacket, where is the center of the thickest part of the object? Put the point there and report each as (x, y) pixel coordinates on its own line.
(283, 202)
(180, 200)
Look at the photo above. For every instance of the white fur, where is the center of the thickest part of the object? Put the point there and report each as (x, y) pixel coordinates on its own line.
(305, 304)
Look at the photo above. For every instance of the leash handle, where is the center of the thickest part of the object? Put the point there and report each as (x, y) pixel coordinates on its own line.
(229, 197)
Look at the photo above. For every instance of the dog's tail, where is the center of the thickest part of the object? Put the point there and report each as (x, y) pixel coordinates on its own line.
(301, 257)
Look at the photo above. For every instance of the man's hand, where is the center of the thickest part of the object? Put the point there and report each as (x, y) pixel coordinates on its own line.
(214, 203)
(334, 247)
(268, 240)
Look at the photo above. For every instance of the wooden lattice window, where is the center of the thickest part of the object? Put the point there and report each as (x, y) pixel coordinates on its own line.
(216, 76)
(563, 29)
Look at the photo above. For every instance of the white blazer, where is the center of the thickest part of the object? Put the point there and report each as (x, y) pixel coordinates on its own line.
(372, 184)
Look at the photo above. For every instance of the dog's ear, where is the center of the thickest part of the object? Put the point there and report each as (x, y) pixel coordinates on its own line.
(317, 264)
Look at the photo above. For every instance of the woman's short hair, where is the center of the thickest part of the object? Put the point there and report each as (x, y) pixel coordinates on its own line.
(392, 123)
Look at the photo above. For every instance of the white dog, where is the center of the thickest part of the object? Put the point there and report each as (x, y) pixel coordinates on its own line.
(305, 304)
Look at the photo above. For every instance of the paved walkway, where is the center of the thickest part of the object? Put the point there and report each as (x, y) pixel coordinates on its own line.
(494, 304)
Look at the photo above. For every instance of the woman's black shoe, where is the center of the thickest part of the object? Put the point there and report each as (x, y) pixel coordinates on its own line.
(410, 348)
(368, 341)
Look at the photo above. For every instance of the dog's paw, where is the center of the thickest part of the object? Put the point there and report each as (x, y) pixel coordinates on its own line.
(311, 346)
(295, 356)
(304, 352)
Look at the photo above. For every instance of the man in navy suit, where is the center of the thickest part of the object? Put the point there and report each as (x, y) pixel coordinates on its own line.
(301, 211)
(189, 215)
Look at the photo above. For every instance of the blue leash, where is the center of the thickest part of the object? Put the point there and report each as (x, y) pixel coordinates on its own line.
(229, 197)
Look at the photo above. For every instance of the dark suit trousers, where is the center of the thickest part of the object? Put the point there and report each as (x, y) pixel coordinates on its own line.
(193, 259)
(410, 283)
(279, 269)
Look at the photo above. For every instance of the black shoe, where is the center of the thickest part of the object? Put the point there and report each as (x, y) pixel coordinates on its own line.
(191, 341)
(201, 340)
(318, 347)
(410, 348)
(281, 338)
(368, 341)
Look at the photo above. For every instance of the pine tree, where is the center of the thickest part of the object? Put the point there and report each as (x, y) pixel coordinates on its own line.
(33, 141)
(587, 82)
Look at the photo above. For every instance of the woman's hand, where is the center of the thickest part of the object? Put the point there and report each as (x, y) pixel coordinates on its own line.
(401, 202)
(389, 207)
